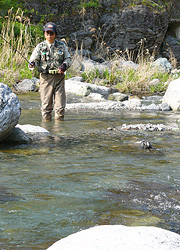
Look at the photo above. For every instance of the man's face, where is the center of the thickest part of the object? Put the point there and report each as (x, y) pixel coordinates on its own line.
(50, 36)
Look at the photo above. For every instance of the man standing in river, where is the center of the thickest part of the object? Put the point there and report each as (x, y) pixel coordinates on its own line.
(52, 59)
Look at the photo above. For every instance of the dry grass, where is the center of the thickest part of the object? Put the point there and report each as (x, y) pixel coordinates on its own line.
(16, 32)
(129, 79)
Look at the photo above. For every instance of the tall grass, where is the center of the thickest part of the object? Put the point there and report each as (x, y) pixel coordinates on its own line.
(17, 32)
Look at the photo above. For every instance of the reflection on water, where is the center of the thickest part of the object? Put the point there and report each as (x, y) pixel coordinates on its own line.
(84, 175)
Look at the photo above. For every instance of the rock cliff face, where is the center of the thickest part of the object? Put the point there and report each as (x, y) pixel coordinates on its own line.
(128, 27)
(119, 25)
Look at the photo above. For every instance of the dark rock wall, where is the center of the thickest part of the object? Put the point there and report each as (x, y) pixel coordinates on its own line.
(113, 22)
(129, 26)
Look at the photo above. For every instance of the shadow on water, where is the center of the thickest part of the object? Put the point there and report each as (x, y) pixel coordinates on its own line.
(158, 203)
(84, 174)
(6, 196)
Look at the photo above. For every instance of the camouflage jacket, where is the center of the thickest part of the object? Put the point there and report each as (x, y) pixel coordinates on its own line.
(46, 58)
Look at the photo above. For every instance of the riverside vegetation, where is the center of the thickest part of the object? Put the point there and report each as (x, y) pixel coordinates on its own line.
(23, 36)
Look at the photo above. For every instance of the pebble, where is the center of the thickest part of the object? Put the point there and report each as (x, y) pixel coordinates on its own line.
(147, 127)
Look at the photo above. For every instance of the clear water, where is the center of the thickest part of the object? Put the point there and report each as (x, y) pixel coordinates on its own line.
(86, 175)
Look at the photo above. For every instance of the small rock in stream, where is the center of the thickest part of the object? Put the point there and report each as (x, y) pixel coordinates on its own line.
(145, 144)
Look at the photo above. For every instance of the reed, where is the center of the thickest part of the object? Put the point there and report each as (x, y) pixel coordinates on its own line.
(17, 32)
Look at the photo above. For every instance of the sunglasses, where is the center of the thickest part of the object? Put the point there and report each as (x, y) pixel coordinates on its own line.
(50, 33)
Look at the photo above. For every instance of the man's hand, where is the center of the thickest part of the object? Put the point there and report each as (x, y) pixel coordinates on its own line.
(62, 68)
(31, 64)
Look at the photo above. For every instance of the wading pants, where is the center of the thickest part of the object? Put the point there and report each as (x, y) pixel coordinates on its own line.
(52, 92)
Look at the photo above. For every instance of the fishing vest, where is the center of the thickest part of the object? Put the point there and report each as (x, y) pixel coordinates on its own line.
(50, 59)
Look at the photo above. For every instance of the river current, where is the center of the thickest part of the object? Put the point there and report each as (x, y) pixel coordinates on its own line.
(87, 175)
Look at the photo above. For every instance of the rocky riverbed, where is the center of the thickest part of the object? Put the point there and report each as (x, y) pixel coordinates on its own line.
(84, 174)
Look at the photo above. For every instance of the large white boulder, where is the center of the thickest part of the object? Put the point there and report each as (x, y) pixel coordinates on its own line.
(118, 237)
(90, 65)
(28, 128)
(10, 110)
(23, 134)
(76, 86)
(172, 95)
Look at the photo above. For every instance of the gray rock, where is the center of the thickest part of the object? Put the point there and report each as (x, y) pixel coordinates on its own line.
(25, 134)
(96, 97)
(118, 97)
(77, 78)
(26, 85)
(113, 237)
(162, 64)
(145, 144)
(106, 105)
(121, 64)
(90, 65)
(147, 127)
(133, 103)
(165, 107)
(172, 95)
(97, 58)
(10, 110)
(84, 89)
(152, 106)
(83, 36)
(77, 87)
(17, 136)
(31, 129)
(172, 47)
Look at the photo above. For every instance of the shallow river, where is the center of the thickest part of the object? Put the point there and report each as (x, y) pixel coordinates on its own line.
(87, 175)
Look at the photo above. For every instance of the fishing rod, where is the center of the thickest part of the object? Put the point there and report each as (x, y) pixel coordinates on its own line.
(16, 49)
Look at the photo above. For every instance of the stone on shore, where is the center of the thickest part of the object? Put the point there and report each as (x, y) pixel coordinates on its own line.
(90, 65)
(119, 97)
(114, 237)
(28, 129)
(163, 64)
(147, 127)
(17, 136)
(84, 89)
(24, 134)
(27, 85)
(10, 110)
(172, 95)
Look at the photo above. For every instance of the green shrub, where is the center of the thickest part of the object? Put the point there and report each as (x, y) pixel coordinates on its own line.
(90, 4)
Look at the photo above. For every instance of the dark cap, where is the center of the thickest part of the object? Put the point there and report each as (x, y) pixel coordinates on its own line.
(50, 27)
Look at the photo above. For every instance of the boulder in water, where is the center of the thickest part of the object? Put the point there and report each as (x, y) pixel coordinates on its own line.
(10, 110)
(113, 237)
